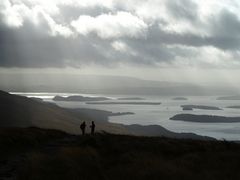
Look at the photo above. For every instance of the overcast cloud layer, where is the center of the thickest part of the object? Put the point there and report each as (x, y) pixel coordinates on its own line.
(165, 33)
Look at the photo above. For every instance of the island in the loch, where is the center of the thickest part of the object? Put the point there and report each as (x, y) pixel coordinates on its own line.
(80, 98)
(130, 98)
(187, 109)
(191, 107)
(234, 107)
(180, 98)
(205, 118)
(37, 99)
(121, 113)
(236, 97)
(126, 103)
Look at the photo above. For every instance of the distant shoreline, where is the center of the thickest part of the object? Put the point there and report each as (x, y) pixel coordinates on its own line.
(126, 103)
(79, 98)
(232, 98)
(191, 107)
(180, 98)
(233, 107)
(130, 98)
(205, 118)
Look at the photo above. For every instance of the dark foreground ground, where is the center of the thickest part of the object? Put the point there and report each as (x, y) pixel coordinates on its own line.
(35, 154)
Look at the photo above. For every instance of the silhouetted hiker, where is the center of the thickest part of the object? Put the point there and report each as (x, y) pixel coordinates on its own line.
(82, 127)
(92, 127)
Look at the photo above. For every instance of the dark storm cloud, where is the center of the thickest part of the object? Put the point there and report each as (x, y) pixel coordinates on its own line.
(221, 41)
(25, 47)
(75, 35)
(183, 9)
(226, 24)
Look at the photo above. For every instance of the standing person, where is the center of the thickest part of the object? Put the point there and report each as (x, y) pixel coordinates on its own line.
(82, 127)
(92, 127)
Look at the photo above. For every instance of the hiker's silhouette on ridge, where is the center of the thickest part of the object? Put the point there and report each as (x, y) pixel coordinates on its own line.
(82, 127)
(92, 127)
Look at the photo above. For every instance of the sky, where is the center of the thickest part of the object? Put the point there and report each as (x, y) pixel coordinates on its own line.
(166, 40)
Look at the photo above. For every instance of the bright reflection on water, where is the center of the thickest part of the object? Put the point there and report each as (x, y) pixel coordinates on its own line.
(160, 114)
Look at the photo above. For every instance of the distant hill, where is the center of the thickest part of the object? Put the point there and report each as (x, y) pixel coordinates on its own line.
(180, 98)
(237, 97)
(98, 84)
(106, 84)
(131, 98)
(234, 107)
(156, 130)
(79, 98)
(126, 102)
(191, 107)
(205, 118)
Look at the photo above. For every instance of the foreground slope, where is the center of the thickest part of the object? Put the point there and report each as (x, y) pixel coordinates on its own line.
(40, 154)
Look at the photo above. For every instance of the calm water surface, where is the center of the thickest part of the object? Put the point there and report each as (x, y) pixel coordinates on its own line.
(160, 114)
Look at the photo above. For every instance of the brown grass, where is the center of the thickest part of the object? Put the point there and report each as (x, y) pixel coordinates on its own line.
(118, 157)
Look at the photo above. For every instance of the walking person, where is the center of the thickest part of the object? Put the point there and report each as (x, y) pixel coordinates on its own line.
(82, 127)
(92, 128)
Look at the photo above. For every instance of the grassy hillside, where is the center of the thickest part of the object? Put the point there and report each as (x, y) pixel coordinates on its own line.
(22, 112)
(19, 111)
(39, 154)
